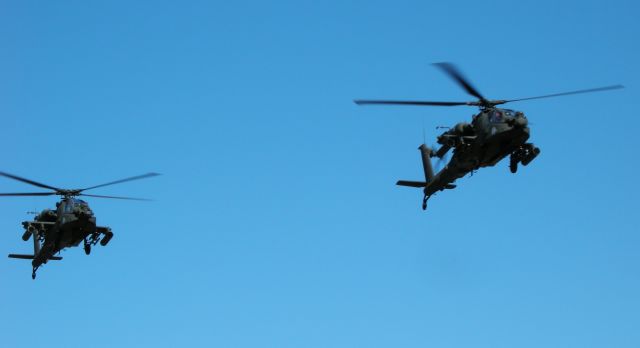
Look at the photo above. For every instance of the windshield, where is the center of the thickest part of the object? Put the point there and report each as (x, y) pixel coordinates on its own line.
(71, 203)
(499, 115)
(496, 116)
(510, 113)
(68, 206)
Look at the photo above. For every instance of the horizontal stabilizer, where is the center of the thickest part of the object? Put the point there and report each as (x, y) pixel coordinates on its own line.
(30, 257)
(411, 183)
(449, 186)
(21, 256)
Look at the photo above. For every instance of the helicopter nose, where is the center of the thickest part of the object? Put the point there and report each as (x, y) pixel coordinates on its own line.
(83, 214)
(520, 122)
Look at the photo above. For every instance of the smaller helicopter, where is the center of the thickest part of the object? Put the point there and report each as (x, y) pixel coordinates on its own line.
(493, 134)
(71, 223)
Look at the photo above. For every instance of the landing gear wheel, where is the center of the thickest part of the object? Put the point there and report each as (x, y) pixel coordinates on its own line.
(87, 248)
(513, 165)
(33, 274)
(424, 203)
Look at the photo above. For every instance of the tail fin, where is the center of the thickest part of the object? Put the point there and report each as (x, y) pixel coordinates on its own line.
(36, 247)
(425, 151)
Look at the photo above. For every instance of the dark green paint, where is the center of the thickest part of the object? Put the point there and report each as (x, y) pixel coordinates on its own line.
(493, 134)
(71, 223)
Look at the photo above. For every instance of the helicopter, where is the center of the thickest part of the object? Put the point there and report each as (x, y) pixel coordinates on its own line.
(493, 134)
(69, 224)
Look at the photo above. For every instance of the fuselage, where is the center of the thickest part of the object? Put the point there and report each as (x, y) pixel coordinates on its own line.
(73, 222)
(493, 134)
(500, 132)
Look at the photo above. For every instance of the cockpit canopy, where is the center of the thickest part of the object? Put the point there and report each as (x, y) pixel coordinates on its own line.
(70, 203)
(501, 115)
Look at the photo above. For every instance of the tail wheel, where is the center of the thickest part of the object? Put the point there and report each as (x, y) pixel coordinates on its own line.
(87, 248)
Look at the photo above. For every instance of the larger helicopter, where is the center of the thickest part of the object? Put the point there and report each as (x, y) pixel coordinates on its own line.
(493, 134)
(71, 223)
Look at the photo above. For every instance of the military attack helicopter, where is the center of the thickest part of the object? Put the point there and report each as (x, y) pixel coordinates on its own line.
(69, 224)
(493, 134)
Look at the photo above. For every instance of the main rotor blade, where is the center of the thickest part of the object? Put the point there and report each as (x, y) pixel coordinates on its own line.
(403, 102)
(599, 89)
(138, 177)
(117, 197)
(31, 182)
(455, 74)
(27, 194)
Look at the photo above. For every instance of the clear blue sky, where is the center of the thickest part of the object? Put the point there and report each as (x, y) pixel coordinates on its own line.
(277, 221)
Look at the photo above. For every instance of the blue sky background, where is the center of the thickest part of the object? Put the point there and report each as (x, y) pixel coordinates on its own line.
(277, 221)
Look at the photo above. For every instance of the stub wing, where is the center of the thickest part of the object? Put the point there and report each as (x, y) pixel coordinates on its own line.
(103, 229)
(39, 225)
(106, 233)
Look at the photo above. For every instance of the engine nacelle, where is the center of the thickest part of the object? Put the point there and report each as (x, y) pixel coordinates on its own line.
(47, 215)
